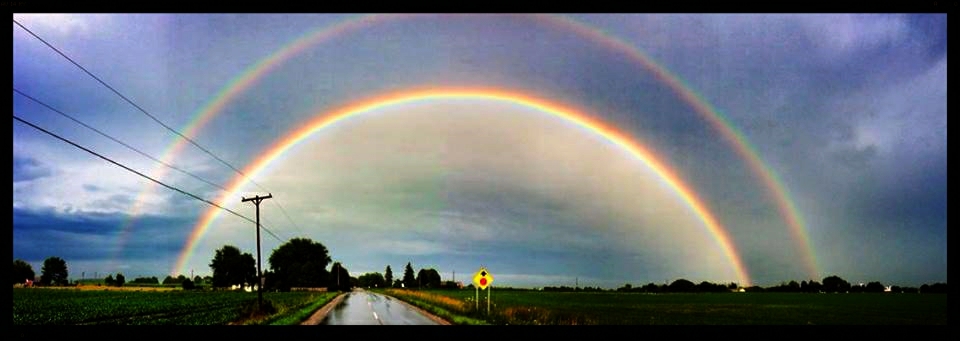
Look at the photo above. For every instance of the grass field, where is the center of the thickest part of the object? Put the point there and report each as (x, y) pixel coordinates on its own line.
(116, 306)
(608, 308)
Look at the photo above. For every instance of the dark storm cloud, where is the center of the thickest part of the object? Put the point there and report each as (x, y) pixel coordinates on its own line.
(921, 196)
(26, 169)
(849, 111)
(41, 234)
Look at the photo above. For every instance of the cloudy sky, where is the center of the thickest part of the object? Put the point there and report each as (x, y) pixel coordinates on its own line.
(848, 112)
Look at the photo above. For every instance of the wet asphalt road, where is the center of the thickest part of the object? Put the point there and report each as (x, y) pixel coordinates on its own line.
(366, 308)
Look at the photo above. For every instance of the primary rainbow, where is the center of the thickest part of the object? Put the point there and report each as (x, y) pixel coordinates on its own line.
(775, 187)
(322, 121)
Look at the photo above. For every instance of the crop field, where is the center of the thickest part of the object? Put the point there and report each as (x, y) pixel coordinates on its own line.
(608, 308)
(38, 306)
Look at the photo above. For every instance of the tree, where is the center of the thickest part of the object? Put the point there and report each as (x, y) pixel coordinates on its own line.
(23, 271)
(428, 278)
(54, 271)
(299, 262)
(230, 267)
(109, 281)
(875, 287)
(813, 286)
(120, 280)
(388, 277)
(835, 284)
(682, 285)
(339, 278)
(188, 285)
(371, 280)
(409, 281)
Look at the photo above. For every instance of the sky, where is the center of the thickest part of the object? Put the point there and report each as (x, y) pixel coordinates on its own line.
(576, 149)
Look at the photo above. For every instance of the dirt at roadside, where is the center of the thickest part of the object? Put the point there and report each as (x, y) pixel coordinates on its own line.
(433, 317)
(321, 313)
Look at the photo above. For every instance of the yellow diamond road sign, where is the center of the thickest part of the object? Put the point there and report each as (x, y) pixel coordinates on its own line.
(483, 278)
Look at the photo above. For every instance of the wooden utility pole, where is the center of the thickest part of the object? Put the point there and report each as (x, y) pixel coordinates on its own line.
(256, 201)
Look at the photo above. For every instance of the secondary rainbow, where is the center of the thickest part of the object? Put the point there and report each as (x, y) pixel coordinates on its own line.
(775, 187)
(243, 81)
(563, 112)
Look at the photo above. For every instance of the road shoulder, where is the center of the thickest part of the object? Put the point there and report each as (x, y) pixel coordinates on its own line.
(429, 315)
(321, 313)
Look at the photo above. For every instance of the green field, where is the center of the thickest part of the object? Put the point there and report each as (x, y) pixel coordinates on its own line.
(38, 306)
(609, 308)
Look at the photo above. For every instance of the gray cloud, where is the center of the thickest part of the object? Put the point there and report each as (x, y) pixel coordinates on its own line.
(848, 110)
(26, 169)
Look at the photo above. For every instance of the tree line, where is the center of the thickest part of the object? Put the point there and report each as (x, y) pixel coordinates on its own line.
(829, 284)
(302, 263)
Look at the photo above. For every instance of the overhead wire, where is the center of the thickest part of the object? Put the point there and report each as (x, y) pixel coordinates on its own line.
(155, 119)
(194, 196)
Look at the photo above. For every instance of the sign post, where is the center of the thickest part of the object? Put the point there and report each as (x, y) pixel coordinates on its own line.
(482, 279)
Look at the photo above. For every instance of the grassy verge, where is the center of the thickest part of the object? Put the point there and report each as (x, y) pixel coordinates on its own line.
(285, 308)
(447, 308)
(297, 316)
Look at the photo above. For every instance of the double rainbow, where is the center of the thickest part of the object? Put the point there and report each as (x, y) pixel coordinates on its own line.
(775, 187)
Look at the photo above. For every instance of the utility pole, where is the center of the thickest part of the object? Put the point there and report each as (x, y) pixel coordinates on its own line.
(256, 201)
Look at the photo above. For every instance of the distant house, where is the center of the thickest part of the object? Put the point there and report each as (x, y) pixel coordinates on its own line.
(247, 288)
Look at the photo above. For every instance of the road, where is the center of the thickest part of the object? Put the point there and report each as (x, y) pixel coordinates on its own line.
(366, 308)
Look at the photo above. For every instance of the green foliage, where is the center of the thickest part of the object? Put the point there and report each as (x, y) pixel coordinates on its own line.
(371, 280)
(54, 272)
(874, 287)
(301, 310)
(299, 262)
(428, 278)
(146, 280)
(409, 281)
(835, 284)
(682, 285)
(73, 307)
(252, 309)
(388, 277)
(22, 271)
(230, 267)
(109, 281)
(935, 288)
(339, 278)
(120, 280)
(612, 308)
(188, 285)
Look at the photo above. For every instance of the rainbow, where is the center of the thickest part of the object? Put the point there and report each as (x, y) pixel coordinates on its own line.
(775, 187)
(322, 121)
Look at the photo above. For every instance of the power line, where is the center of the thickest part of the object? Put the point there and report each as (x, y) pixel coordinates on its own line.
(194, 143)
(116, 140)
(142, 175)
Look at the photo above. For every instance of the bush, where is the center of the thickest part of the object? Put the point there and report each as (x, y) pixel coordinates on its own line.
(249, 309)
(188, 285)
